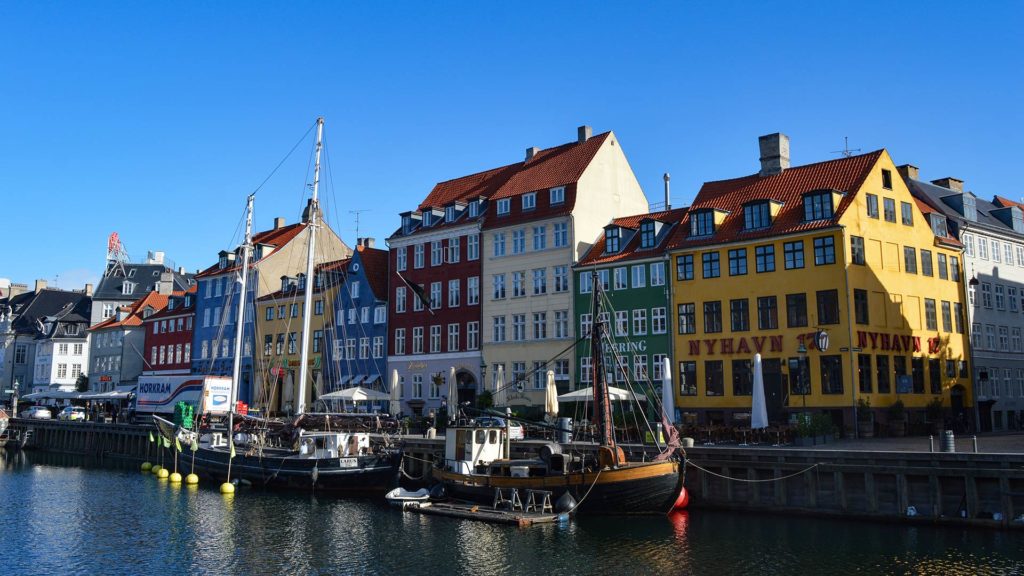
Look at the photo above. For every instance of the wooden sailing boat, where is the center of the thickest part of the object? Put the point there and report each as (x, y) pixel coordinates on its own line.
(286, 455)
(476, 469)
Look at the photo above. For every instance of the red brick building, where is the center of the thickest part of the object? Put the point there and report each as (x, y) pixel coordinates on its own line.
(168, 348)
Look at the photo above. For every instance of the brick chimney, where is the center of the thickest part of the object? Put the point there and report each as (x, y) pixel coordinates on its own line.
(908, 171)
(365, 242)
(583, 133)
(166, 284)
(278, 223)
(954, 184)
(774, 153)
(531, 152)
(88, 289)
(40, 285)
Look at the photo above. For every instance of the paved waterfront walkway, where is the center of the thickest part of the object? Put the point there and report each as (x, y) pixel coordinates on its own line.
(992, 443)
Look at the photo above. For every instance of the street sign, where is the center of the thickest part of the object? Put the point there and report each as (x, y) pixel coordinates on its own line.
(8, 391)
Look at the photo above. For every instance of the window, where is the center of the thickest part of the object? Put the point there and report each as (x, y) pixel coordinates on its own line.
(767, 313)
(687, 318)
(473, 247)
(503, 206)
(473, 290)
(399, 341)
(990, 337)
(449, 214)
(958, 317)
(713, 378)
(586, 283)
(560, 235)
(436, 253)
(658, 274)
(702, 223)
(860, 306)
(1000, 297)
(529, 201)
(417, 340)
(454, 244)
(639, 273)
(540, 237)
(640, 321)
(561, 274)
(538, 376)
(712, 317)
(611, 240)
(711, 265)
(983, 248)
(129, 287)
(857, 250)
(621, 282)
(828, 306)
(379, 314)
(739, 315)
(882, 374)
(658, 367)
(108, 309)
(910, 260)
(621, 323)
(1011, 296)
(540, 325)
(1004, 339)
(417, 256)
(417, 386)
(907, 213)
(917, 373)
(742, 378)
(947, 317)
(995, 251)
(401, 258)
(499, 286)
(684, 267)
(518, 241)
(647, 234)
(557, 195)
(831, 374)
(738, 262)
(824, 251)
(1020, 255)
(688, 378)
(1015, 339)
(764, 257)
(886, 179)
(295, 310)
(519, 327)
(796, 310)
(889, 206)
(498, 333)
(399, 300)
(793, 253)
(954, 269)
(586, 322)
(472, 335)
(454, 293)
(986, 294)
(872, 205)
(931, 322)
(499, 244)
(453, 337)
(318, 338)
(756, 216)
(292, 341)
(602, 276)
(1008, 253)
(540, 281)
(659, 321)
(435, 295)
(864, 373)
(817, 206)
(435, 339)
(561, 323)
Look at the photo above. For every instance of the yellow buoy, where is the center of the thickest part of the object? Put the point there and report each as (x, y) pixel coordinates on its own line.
(156, 468)
(175, 477)
(227, 488)
(191, 479)
(146, 466)
(163, 473)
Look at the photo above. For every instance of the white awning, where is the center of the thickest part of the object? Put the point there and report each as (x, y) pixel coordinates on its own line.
(357, 379)
(344, 380)
(371, 379)
(587, 395)
(357, 394)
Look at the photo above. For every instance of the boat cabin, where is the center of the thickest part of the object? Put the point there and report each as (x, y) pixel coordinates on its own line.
(333, 444)
(467, 447)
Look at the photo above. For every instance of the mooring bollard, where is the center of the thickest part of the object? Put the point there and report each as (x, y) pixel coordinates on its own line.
(949, 442)
(931, 443)
(975, 439)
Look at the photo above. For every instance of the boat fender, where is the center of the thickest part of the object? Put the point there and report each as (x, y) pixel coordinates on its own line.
(437, 492)
(682, 501)
(565, 503)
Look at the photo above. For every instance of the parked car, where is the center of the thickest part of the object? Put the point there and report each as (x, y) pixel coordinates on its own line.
(72, 413)
(37, 413)
(515, 431)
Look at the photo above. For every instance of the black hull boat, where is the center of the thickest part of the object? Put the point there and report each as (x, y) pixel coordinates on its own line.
(369, 474)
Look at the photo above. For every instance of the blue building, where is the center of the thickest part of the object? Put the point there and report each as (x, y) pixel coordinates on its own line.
(357, 338)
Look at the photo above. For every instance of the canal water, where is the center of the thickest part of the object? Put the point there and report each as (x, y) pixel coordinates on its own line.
(63, 515)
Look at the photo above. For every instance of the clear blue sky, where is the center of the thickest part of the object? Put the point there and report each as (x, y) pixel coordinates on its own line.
(156, 120)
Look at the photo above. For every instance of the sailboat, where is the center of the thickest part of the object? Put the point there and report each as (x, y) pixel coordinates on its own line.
(287, 455)
(477, 466)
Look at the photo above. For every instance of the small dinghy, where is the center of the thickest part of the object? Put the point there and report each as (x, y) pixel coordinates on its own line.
(401, 498)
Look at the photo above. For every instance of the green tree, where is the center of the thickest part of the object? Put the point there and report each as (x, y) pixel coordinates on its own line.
(82, 384)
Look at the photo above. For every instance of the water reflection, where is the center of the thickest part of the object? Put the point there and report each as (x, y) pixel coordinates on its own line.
(75, 516)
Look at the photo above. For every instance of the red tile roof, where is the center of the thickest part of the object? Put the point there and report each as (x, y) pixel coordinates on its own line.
(277, 237)
(1006, 202)
(552, 167)
(375, 266)
(632, 250)
(484, 183)
(843, 174)
(154, 299)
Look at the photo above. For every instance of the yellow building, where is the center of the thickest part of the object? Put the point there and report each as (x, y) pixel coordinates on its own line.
(834, 274)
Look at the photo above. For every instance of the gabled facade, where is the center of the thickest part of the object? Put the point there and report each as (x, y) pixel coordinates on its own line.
(357, 338)
(280, 251)
(538, 224)
(118, 344)
(126, 282)
(768, 263)
(62, 347)
(992, 233)
(168, 336)
(631, 264)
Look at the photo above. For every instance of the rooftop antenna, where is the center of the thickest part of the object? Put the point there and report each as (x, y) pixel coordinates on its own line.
(357, 213)
(116, 254)
(846, 151)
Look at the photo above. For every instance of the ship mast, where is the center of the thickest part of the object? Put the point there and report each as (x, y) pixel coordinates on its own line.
(307, 300)
(236, 366)
(609, 453)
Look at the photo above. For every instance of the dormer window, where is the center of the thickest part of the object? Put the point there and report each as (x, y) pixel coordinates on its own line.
(449, 214)
(612, 238)
(504, 205)
(818, 205)
(970, 207)
(171, 304)
(188, 300)
(406, 224)
(71, 329)
(474, 208)
(529, 201)
(938, 222)
(147, 312)
(285, 283)
(702, 223)
(648, 234)
(301, 281)
(128, 288)
(756, 216)
(558, 195)
(426, 218)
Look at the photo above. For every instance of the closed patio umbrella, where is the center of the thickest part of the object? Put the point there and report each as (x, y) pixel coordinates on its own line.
(500, 397)
(551, 397)
(453, 395)
(667, 393)
(758, 410)
(396, 394)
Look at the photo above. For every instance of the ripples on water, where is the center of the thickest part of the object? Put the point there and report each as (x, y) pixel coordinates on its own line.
(61, 515)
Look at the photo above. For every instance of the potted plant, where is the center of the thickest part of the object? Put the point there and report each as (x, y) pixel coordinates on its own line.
(821, 425)
(865, 419)
(897, 419)
(804, 431)
(934, 412)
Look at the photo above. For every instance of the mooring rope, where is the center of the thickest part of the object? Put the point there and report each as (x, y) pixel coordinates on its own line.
(808, 469)
(588, 492)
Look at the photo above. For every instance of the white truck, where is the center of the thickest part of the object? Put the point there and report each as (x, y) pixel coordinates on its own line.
(159, 394)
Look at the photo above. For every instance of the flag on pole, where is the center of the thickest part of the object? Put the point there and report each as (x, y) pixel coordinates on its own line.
(232, 449)
(177, 445)
(151, 439)
(167, 442)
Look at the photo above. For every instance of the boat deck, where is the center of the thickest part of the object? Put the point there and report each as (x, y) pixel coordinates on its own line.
(484, 513)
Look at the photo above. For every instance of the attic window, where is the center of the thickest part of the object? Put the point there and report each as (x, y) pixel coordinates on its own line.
(611, 240)
(426, 218)
(647, 234)
(970, 208)
(474, 208)
(223, 263)
(886, 179)
(449, 214)
(938, 225)
(756, 216)
(504, 205)
(558, 195)
(128, 288)
(71, 329)
(818, 206)
(529, 201)
(702, 223)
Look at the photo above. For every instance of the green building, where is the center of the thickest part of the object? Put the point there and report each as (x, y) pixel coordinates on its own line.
(631, 263)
